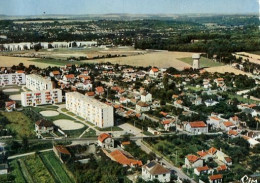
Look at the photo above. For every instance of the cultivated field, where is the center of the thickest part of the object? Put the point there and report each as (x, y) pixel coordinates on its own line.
(161, 59)
(226, 68)
(204, 62)
(254, 58)
(6, 61)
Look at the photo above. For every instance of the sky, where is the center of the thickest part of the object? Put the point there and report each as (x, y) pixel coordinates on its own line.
(77, 7)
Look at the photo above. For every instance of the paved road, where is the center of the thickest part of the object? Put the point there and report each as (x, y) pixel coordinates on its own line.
(27, 154)
(178, 171)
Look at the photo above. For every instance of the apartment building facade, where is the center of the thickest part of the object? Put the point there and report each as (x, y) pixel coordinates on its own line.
(37, 83)
(12, 79)
(92, 110)
(42, 97)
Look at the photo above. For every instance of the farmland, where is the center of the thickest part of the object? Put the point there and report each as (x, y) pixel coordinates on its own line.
(226, 68)
(204, 62)
(42, 167)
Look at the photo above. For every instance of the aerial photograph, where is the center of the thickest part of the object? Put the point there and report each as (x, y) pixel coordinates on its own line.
(129, 91)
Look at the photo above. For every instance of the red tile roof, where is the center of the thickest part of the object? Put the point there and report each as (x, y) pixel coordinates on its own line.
(212, 150)
(232, 132)
(62, 149)
(197, 124)
(228, 123)
(154, 69)
(202, 153)
(203, 168)
(90, 94)
(222, 167)
(19, 71)
(70, 76)
(125, 158)
(103, 137)
(100, 89)
(215, 177)
(228, 159)
(192, 158)
(56, 72)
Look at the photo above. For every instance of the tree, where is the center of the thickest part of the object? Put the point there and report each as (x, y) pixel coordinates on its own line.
(37, 47)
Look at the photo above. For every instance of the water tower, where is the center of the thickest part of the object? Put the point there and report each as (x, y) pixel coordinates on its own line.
(196, 61)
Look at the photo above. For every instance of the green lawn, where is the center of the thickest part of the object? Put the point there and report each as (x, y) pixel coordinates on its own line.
(55, 61)
(60, 116)
(114, 128)
(242, 99)
(75, 133)
(20, 124)
(64, 110)
(90, 133)
(204, 62)
(71, 113)
(55, 167)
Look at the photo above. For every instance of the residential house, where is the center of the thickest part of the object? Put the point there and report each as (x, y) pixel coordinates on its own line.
(154, 72)
(196, 127)
(224, 158)
(124, 158)
(227, 125)
(201, 170)
(210, 102)
(216, 178)
(62, 153)
(105, 140)
(232, 133)
(167, 123)
(204, 155)
(69, 78)
(214, 121)
(10, 106)
(43, 126)
(146, 97)
(99, 90)
(155, 171)
(55, 74)
(142, 107)
(193, 161)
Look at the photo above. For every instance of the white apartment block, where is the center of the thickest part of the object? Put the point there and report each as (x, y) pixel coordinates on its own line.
(37, 83)
(42, 97)
(92, 110)
(12, 79)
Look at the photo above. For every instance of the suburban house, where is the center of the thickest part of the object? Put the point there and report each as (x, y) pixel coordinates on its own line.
(210, 102)
(146, 97)
(142, 106)
(55, 74)
(62, 153)
(193, 161)
(214, 121)
(70, 78)
(227, 125)
(43, 126)
(204, 155)
(124, 158)
(105, 140)
(216, 178)
(167, 123)
(196, 127)
(154, 72)
(201, 170)
(10, 106)
(99, 90)
(155, 171)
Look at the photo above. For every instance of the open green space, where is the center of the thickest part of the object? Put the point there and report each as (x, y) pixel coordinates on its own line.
(55, 167)
(204, 62)
(19, 124)
(90, 133)
(75, 133)
(114, 128)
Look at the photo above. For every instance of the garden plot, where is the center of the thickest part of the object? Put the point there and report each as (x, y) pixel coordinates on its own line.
(49, 113)
(15, 97)
(65, 124)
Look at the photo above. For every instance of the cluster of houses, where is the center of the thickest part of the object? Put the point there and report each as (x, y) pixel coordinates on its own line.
(199, 165)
